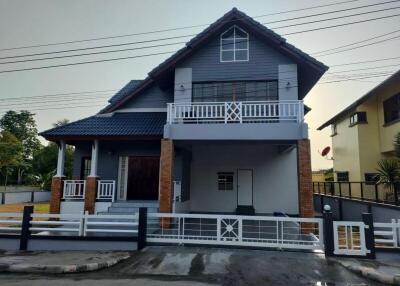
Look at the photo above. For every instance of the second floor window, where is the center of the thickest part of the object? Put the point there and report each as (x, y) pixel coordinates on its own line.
(358, 117)
(234, 45)
(235, 91)
(391, 109)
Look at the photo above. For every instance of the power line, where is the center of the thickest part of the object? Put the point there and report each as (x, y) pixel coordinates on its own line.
(129, 49)
(335, 18)
(341, 25)
(191, 35)
(362, 46)
(92, 101)
(354, 43)
(363, 62)
(162, 53)
(168, 30)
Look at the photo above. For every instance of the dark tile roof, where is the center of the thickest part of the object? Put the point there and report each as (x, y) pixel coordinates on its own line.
(115, 124)
(127, 89)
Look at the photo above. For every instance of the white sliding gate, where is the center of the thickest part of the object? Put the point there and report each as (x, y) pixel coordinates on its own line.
(252, 231)
(349, 238)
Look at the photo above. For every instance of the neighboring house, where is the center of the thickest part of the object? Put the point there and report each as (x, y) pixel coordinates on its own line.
(364, 132)
(216, 128)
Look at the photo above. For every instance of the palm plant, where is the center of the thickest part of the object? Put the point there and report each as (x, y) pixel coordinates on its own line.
(389, 173)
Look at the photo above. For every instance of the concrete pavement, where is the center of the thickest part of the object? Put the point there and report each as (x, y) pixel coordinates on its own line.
(200, 266)
(59, 262)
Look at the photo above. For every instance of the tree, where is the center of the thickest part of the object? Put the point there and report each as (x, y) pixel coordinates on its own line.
(10, 153)
(61, 122)
(44, 163)
(23, 126)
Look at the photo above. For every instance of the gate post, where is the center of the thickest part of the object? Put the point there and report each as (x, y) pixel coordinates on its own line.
(142, 229)
(328, 231)
(26, 224)
(369, 235)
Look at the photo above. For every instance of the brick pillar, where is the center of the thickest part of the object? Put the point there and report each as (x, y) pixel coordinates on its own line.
(90, 194)
(57, 185)
(306, 204)
(166, 175)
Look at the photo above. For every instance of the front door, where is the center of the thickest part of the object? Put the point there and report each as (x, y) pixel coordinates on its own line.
(245, 187)
(142, 183)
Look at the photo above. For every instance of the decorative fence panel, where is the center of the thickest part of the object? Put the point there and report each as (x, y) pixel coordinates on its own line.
(349, 238)
(253, 231)
(10, 223)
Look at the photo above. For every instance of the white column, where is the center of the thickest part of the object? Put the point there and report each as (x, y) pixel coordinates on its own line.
(60, 159)
(95, 157)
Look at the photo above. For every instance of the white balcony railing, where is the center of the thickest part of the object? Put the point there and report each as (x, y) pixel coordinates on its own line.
(236, 112)
(74, 189)
(106, 189)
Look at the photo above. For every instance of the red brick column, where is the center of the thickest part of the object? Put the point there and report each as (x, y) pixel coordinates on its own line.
(166, 175)
(306, 203)
(90, 194)
(57, 185)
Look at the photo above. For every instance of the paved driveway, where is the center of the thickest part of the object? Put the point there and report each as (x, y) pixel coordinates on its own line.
(207, 266)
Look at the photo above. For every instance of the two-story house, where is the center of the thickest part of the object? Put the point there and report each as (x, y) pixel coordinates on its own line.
(364, 132)
(216, 128)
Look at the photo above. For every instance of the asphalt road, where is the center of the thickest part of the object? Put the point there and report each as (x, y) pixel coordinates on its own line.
(205, 266)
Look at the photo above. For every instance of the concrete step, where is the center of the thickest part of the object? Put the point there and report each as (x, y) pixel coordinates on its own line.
(129, 210)
(136, 204)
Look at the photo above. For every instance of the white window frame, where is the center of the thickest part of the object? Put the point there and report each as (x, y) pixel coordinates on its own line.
(234, 45)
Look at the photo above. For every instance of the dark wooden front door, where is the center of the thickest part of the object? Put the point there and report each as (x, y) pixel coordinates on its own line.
(143, 178)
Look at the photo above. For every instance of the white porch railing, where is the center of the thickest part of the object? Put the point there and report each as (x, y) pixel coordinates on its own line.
(236, 112)
(106, 189)
(74, 189)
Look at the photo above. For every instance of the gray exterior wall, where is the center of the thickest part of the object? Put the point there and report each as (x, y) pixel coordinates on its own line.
(275, 180)
(109, 153)
(249, 131)
(262, 65)
(153, 97)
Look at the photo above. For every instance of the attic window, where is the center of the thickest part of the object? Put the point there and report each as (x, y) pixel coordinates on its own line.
(234, 45)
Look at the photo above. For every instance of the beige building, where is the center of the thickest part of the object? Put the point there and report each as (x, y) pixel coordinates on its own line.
(363, 133)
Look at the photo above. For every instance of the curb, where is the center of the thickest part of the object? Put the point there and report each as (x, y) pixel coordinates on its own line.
(59, 269)
(370, 273)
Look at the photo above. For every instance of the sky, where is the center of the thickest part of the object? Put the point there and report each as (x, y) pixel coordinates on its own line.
(27, 23)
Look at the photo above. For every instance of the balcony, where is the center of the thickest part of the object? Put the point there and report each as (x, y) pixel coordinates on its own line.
(236, 112)
(241, 120)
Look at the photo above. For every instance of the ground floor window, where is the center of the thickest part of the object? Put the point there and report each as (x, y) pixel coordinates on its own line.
(342, 176)
(225, 181)
(371, 178)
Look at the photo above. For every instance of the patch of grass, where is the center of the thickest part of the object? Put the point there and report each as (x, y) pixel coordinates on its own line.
(17, 208)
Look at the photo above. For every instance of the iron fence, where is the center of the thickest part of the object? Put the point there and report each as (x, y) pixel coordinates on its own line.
(366, 191)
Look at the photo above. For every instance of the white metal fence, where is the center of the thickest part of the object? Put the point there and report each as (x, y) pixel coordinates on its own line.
(349, 238)
(84, 225)
(74, 189)
(387, 234)
(254, 231)
(236, 112)
(106, 189)
(10, 223)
